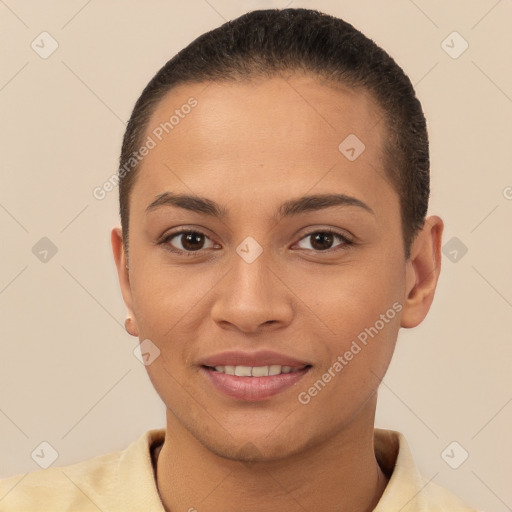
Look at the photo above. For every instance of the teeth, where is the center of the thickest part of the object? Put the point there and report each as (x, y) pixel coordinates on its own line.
(255, 371)
(275, 369)
(243, 371)
(259, 371)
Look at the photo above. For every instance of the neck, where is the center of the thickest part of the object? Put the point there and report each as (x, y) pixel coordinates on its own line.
(340, 473)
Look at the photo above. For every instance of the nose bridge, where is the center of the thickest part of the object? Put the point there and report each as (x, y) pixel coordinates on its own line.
(251, 295)
(251, 278)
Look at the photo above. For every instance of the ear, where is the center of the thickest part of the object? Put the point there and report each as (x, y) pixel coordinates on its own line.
(422, 272)
(120, 258)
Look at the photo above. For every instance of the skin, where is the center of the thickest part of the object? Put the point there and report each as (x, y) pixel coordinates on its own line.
(250, 146)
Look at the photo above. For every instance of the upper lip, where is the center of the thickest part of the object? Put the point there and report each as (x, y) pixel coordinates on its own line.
(261, 358)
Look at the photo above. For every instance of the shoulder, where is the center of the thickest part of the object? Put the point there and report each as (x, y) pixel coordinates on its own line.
(83, 486)
(408, 490)
(120, 480)
(442, 500)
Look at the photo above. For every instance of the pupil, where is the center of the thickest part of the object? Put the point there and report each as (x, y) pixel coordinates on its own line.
(192, 241)
(325, 240)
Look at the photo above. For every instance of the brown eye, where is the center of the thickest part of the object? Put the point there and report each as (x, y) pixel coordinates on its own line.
(323, 240)
(189, 241)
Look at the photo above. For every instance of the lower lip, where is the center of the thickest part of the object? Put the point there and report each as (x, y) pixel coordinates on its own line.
(253, 389)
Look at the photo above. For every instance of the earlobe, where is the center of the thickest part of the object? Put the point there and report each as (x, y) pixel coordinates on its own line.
(131, 326)
(422, 272)
(124, 279)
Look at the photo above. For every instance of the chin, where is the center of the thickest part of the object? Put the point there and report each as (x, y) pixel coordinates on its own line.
(251, 451)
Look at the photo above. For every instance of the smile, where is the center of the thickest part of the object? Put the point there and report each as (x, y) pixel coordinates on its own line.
(256, 371)
(253, 383)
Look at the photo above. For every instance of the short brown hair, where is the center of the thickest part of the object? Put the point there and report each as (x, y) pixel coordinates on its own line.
(271, 42)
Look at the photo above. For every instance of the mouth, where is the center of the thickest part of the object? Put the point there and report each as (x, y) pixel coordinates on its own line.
(253, 383)
(256, 371)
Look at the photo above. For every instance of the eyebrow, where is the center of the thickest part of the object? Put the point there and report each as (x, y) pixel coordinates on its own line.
(289, 208)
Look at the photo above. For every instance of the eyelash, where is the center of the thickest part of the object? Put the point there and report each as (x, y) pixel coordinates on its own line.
(347, 242)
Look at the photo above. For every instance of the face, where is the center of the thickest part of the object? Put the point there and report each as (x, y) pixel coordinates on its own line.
(262, 277)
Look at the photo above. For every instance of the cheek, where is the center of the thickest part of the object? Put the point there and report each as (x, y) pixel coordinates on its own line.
(349, 298)
(361, 306)
(169, 305)
(358, 357)
(165, 296)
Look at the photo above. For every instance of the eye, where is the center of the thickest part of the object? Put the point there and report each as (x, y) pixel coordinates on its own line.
(323, 240)
(187, 240)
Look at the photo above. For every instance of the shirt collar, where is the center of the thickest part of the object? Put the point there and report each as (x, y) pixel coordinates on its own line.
(136, 474)
(406, 489)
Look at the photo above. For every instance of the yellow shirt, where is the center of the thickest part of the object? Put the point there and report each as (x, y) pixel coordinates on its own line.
(124, 481)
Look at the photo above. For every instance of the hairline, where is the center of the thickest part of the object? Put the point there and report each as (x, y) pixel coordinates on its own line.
(340, 85)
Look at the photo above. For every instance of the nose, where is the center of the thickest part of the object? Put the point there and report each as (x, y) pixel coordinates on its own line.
(253, 297)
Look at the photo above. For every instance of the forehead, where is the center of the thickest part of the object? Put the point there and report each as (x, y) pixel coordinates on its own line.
(215, 138)
(270, 111)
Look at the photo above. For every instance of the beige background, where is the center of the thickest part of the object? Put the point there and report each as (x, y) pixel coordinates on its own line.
(68, 375)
